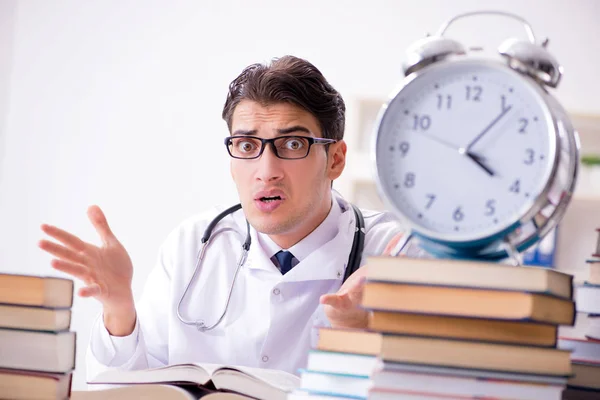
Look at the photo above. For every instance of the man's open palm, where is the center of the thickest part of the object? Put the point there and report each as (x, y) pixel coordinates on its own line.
(106, 270)
(343, 308)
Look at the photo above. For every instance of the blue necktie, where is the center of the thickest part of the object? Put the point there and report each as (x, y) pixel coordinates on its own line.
(285, 260)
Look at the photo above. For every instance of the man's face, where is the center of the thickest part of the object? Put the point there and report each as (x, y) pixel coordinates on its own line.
(282, 197)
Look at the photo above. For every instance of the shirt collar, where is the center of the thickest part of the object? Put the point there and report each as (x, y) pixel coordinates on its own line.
(323, 233)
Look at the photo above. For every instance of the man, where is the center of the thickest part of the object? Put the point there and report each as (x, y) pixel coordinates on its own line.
(286, 126)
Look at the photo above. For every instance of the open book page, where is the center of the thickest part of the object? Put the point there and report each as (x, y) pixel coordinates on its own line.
(261, 384)
(255, 382)
(146, 391)
(278, 379)
(152, 392)
(190, 373)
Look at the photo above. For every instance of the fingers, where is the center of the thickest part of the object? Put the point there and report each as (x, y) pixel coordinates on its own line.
(360, 274)
(65, 237)
(98, 219)
(355, 281)
(90, 291)
(357, 285)
(330, 300)
(61, 252)
(76, 270)
(340, 301)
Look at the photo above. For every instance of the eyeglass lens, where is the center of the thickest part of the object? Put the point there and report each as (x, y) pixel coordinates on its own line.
(287, 147)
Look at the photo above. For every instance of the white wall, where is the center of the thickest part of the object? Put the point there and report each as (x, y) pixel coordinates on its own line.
(118, 102)
(8, 9)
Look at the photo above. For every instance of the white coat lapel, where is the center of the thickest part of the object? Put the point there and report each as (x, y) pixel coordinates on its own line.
(257, 258)
(328, 261)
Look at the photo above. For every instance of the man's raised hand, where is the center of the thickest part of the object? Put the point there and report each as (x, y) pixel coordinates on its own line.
(107, 270)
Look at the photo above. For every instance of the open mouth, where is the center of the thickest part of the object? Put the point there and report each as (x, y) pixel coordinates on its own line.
(270, 199)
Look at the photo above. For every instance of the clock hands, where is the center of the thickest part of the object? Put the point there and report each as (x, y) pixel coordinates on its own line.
(466, 151)
(487, 128)
(479, 161)
(463, 152)
(442, 141)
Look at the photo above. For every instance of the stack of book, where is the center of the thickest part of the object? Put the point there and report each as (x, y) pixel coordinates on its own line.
(588, 295)
(37, 350)
(585, 356)
(449, 329)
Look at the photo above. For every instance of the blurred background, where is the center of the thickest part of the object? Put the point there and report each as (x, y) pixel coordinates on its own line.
(118, 103)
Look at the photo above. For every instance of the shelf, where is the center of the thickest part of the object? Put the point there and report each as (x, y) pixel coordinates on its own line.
(588, 128)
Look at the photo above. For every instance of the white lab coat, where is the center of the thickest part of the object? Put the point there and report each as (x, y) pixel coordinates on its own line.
(272, 320)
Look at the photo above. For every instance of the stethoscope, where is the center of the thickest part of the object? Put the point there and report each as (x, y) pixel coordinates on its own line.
(353, 260)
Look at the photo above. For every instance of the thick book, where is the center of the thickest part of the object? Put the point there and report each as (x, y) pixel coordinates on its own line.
(259, 383)
(584, 350)
(479, 329)
(334, 384)
(468, 302)
(19, 384)
(41, 291)
(34, 318)
(37, 351)
(354, 341)
(448, 352)
(588, 298)
(594, 276)
(154, 392)
(424, 394)
(476, 386)
(341, 363)
(304, 395)
(593, 328)
(473, 373)
(576, 393)
(475, 274)
(585, 375)
(476, 355)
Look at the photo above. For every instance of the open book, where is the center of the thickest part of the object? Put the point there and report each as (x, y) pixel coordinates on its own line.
(153, 392)
(264, 384)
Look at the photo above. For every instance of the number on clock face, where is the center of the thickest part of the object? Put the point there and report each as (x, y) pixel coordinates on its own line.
(464, 149)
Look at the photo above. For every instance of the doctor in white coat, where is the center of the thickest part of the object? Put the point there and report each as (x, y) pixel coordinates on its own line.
(301, 234)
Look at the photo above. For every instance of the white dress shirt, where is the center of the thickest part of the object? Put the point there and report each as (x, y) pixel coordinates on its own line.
(323, 233)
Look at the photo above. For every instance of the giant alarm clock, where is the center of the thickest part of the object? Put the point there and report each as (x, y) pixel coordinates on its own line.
(473, 152)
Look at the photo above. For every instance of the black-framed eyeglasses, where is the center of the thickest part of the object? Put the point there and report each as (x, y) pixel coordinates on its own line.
(284, 147)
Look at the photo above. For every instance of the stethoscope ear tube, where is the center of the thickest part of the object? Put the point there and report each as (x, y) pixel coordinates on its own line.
(352, 265)
(216, 220)
(358, 244)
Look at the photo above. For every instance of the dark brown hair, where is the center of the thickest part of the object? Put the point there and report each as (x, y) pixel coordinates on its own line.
(293, 80)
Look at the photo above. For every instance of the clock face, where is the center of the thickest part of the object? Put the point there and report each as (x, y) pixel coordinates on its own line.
(464, 149)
